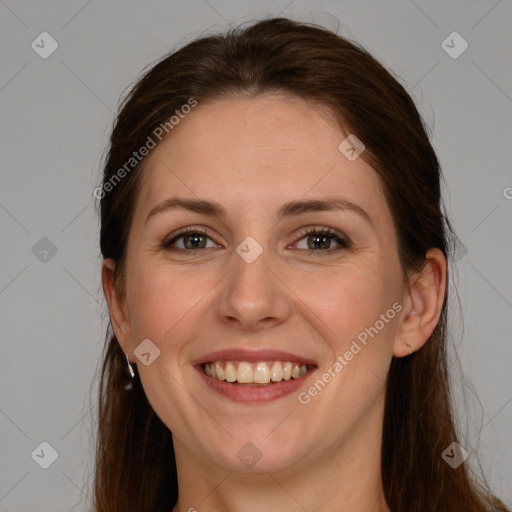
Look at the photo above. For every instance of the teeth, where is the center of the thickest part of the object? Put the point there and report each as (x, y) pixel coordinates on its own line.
(254, 373)
(276, 373)
(219, 371)
(244, 373)
(262, 374)
(287, 371)
(230, 372)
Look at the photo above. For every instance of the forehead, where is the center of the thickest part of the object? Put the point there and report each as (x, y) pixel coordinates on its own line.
(252, 150)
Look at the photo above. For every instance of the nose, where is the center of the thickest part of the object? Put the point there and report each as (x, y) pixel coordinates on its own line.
(254, 296)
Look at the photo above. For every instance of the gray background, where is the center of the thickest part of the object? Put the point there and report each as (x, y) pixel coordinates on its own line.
(56, 116)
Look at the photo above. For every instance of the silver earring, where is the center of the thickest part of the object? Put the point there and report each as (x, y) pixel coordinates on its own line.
(410, 348)
(130, 369)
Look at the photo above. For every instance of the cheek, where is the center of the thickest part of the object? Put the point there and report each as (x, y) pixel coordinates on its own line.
(160, 299)
(347, 300)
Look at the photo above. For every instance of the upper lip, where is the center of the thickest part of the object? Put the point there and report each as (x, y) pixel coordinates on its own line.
(254, 356)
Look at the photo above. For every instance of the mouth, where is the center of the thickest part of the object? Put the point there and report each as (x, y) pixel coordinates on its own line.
(251, 377)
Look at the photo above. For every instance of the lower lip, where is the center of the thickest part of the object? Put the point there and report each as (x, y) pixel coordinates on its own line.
(251, 394)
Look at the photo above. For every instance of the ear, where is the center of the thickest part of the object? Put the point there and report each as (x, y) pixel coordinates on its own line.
(423, 302)
(116, 300)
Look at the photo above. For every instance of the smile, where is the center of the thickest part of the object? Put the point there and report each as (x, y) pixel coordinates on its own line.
(248, 376)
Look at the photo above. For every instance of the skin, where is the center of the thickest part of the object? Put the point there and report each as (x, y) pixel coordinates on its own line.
(251, 155)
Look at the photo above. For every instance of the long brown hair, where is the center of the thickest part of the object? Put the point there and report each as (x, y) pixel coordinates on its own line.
(135, 467)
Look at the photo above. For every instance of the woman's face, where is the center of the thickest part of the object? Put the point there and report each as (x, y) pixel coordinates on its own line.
(254, 291)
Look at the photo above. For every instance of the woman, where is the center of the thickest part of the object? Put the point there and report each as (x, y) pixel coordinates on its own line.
(275, 265)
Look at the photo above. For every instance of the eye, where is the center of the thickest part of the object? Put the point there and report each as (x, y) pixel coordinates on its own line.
(191, 239)
(321, 239)
(318, 239)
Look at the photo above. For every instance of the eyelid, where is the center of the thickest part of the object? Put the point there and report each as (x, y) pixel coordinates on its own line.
(182, 232)
(338, 236)
(323, 230)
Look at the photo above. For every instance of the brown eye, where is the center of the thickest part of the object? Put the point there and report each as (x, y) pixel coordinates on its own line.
(190, 239)
(322, 239)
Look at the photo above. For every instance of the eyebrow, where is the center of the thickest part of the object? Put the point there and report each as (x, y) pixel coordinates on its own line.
(291, 209)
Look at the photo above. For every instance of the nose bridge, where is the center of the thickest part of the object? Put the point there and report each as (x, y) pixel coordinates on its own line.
(252, 294)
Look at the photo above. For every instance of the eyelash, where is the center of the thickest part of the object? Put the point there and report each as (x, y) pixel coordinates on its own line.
(338, 237)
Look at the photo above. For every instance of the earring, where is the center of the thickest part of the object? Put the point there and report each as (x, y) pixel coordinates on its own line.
(130, 369)
(410, 348)
(129, 385)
